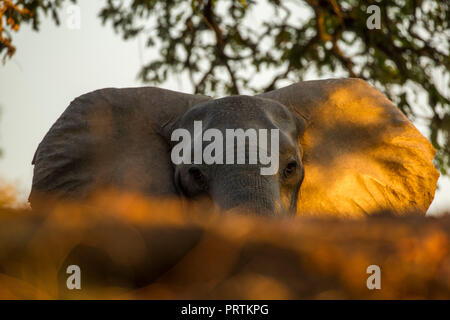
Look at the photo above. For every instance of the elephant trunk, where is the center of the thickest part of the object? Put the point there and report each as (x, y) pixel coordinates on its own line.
(247, 191)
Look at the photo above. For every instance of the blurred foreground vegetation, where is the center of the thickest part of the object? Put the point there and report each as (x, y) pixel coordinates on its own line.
(128, 246)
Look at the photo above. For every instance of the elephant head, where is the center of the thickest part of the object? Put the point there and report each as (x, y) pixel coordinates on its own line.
(255, 125)
(343, 149)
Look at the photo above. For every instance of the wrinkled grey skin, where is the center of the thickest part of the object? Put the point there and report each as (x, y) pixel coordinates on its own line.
(121, 138)
(241, 187)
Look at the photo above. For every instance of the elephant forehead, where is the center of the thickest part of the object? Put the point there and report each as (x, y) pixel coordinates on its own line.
(240, 112)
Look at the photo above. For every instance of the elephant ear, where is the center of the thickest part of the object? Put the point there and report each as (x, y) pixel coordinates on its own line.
(110, 138)
(361, 154)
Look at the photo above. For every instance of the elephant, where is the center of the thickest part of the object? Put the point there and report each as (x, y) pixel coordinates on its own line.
(345, 150)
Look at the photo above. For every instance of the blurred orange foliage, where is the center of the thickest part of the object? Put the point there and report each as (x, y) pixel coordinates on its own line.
(10, 12)
(8, 195)
(131, 247)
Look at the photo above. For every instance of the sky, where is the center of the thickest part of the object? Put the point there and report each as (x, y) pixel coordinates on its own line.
(55, 65)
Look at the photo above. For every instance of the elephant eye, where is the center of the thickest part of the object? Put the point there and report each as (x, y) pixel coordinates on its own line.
(192, 182)
(290, 169)
(197, 176)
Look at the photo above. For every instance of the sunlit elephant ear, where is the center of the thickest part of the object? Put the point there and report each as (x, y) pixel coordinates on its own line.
(110, 138)
(361, 154)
